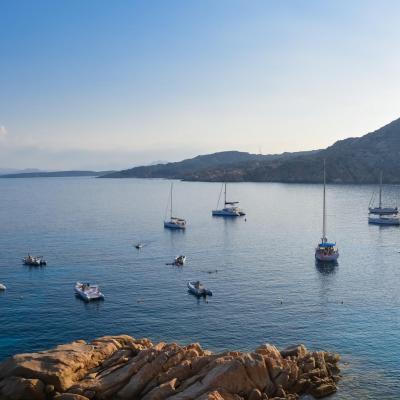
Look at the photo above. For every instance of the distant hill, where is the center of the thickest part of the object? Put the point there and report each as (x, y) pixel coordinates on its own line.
(55, 174)
(201, 167)
(7, 171)
(353, 160)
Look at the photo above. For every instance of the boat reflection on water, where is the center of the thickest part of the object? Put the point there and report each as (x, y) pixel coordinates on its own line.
(326, 267)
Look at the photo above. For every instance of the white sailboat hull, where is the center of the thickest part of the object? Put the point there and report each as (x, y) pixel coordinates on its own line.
(226, 213)
(173, 225)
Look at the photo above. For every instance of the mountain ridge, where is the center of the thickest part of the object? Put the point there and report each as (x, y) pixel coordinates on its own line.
(351, 160)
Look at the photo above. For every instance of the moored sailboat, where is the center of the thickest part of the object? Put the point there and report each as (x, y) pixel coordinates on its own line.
(174, 222)
(380, 210)
(230, 209)
(325, 251)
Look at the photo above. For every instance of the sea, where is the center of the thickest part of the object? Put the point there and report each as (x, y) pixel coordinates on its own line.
(266, 285)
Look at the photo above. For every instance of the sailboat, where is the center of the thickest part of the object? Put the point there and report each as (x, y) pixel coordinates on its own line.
(174, 222)
(230, 208)
(382, 210)
(325, 251)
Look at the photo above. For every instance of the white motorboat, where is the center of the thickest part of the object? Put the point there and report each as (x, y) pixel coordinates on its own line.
(2, 287)
(325, 251)
(384, 219)
(88, 292)
(381, 210)
(198, 289)
(230, 209)
(180, 260)
(36, 261)
(174, 222)
(139, 246)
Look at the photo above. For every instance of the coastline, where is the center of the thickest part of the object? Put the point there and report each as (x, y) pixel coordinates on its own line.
(122, 367)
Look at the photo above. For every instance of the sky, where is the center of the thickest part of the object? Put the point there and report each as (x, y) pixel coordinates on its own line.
(93, 84)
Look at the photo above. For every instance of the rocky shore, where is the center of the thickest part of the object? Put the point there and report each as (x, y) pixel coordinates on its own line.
(125, 368)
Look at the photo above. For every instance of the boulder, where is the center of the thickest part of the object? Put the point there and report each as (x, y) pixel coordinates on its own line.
(17, 388)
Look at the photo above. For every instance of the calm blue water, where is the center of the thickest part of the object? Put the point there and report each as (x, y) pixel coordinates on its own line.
(86, 228)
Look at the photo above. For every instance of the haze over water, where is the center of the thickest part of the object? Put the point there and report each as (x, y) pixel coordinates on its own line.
(267, 288)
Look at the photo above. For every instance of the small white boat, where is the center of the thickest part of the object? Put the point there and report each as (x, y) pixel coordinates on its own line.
(174, 222)
(380, 210)
(88, 292)
(230, 208)
(198, 289)
(2, 287)
(383, 219)
(180, 260)
(139, 246)
(325, 251)
(36, 261)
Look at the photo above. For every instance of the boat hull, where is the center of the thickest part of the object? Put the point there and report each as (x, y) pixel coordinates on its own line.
(384, 221)
(383, 211)
(2, 287)
(198, 292)
(171, 225)
(326, 258)
(223, 213)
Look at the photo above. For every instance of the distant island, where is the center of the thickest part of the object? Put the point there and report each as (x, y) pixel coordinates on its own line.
(353, 160)
(55, 174)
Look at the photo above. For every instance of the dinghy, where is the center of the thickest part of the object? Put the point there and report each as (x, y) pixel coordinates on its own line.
(88, 292)
(180, 260)
(198, 289)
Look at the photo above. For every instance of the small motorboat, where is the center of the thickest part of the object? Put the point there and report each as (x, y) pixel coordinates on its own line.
(2, 287)
(180, 260)
(139, 246)
(35, 261)
(88, 292)
(198, 289)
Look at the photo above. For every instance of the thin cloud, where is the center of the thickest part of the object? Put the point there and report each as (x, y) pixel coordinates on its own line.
(3, 131)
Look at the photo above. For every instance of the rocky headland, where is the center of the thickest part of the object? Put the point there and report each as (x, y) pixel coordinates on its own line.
(125, 368)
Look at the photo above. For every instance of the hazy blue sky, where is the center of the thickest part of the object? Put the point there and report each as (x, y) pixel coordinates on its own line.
(110, 84)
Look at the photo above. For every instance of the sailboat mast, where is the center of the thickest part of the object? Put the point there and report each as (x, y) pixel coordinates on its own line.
(225, 194)
(171, 200)
(324, 209)
(380, 190)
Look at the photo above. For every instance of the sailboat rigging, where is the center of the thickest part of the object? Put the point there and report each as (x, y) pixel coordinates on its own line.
(325, 251)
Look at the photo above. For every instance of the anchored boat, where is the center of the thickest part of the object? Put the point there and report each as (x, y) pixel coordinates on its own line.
(2, 287)
(198, 289)
(380, 210)
(180, 260)
(174, 222)
(35, 261)
(230, 209)
(325, 251)
(88, 292)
